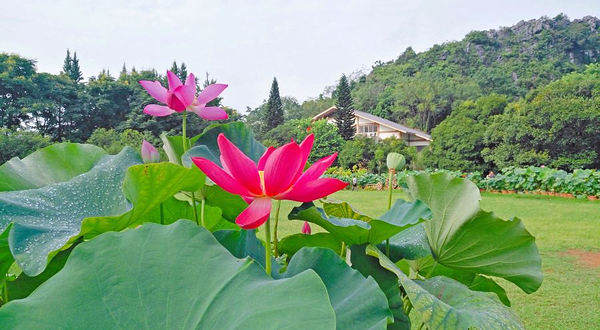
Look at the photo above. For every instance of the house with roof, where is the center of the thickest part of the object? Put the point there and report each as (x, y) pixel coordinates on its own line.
(379, 128)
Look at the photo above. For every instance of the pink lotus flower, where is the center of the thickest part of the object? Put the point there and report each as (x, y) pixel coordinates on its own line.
(278, 175)
(149, 153)
(306, 228)
(182, 97)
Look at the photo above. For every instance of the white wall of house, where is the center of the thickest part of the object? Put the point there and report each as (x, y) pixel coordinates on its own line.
(370, 128)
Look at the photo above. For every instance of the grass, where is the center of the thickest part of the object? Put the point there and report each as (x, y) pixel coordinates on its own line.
(570, 295)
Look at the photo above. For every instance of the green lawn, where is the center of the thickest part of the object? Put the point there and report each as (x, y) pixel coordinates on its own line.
(570, 295)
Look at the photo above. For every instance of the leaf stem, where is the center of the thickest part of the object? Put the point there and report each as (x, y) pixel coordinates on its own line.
(343, 249)
(202, 220)
(194, 211)
(268, 246)
(275, 228)
(422, 325)
(431, 270)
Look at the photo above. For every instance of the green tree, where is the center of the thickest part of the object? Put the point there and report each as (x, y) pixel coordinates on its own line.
(344, 115)
(75, 72)
(459, 140)
(15, 143)
(71, 67)
(113, 141)
(16, 89)
(274, 109)
(67, 63)
(556, 125)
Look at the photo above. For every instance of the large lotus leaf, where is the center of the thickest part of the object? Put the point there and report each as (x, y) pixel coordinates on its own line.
(358, 302)
(168, 277)
(24, 285)
(244, 243)
(173, 147)
(44, 219)
(56, 163)
(291, 244)
(174, 209)
(357, 230)
(405, 213)
(146, 186)
(409, 244)
(388, 283)
(427, 267)
(238, 133)
(462, 236)
(231, 205)
(446, 304)
(6, 258)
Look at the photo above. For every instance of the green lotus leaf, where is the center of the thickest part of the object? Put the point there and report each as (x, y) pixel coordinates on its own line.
(388, 283)
(409, 244)
(169, 277)
(244, 243)
(358, 302)
(464, 237)
(24, 285)
(146, 186)
(291, 244)
(446, 304)
(358, 229)
(238, 133)
(56, 163)
(46, 218)
(6, 258)
(231, 205)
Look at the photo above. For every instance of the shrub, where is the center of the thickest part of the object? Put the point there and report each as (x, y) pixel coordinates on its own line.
(15, 143)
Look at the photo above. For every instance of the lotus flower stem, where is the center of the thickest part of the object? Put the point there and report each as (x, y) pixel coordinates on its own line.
(390, 190)
(275, 228)
(185, 148)
(184, 133)
(5, 292)
(202, 220)
(268, 246)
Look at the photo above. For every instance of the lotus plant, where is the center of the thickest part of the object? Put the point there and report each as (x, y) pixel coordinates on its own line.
(277, 176)
(182, 98)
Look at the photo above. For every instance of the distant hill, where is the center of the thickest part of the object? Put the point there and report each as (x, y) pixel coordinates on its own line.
(421, 89)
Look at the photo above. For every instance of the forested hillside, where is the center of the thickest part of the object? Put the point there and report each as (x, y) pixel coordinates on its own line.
(422, 89)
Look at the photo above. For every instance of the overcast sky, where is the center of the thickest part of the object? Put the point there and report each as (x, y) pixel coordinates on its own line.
(306, 44)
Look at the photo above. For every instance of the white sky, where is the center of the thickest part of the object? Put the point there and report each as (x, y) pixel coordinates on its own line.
(306, 44)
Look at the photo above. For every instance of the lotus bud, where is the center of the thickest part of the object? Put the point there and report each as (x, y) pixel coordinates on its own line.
(149, 153)
(395, 161)
(306, 228)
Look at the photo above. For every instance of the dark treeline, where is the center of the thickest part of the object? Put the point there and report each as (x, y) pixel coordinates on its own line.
(63, 108)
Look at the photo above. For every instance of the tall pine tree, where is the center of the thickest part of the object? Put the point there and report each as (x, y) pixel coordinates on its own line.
(71, 67)
(75, 73)
(183, 72)
(344, 115)
(67, 64)
(274, 113)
